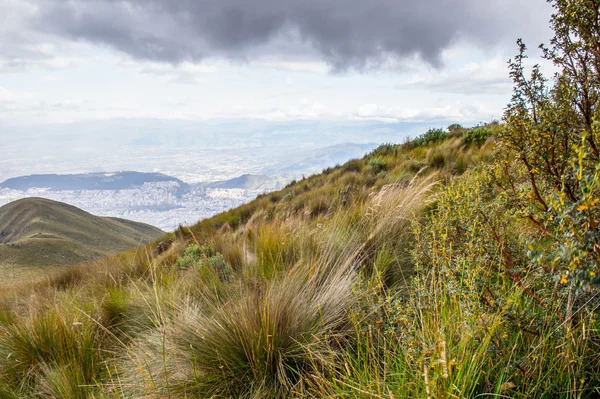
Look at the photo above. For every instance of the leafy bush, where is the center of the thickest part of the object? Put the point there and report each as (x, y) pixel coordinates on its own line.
(476, 136)
(287, 197)
(552, 135)
(191, 257)
(385, 149)
(199, 257)
(576, 256)
(377, 165)
(222, 269)
(431, 136)
(456, 130)
(474, 266)
(455, 127)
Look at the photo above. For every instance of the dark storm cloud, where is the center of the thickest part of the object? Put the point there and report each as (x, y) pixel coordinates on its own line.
(344, 33)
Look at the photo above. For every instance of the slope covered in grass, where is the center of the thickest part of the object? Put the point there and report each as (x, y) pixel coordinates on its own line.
(399, 275)
(247, 303)
(38, 236)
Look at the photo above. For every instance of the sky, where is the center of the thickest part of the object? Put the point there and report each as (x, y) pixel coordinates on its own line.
(187, 87)
(83, 61)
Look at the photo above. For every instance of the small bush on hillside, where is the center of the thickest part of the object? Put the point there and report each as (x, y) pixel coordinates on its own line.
(385, 150)
(473, 258)
(275, 197)
(192, 257)
(288, 197)
(431, 136)
(198, 257)
(343, 196)
(455, 127)
(220, 267)
(377, 165)
(477, 135)
(456, 130)
(576, 254)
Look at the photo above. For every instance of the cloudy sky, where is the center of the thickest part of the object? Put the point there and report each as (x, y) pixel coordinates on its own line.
(64, 61)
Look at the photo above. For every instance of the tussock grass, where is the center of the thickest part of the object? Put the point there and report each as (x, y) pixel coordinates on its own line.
(275, 327)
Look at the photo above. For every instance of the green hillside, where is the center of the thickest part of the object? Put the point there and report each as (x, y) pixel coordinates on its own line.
(39, 236)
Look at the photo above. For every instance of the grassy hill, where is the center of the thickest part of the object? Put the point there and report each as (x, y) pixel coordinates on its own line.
(38, 236)
(413, 272)
(279, 272)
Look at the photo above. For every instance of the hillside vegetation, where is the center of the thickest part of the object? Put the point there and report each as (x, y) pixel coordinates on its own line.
(461, 264)
(39, 236)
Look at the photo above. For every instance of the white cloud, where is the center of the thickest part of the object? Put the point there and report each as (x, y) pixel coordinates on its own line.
(456, 111)
(292, 66)
(489, 76)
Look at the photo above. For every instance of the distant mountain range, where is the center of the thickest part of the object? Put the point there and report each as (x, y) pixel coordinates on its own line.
(252, 182)
(92, 181)
(277, 176)
(317, 160)
(273, 176)
(39, 235)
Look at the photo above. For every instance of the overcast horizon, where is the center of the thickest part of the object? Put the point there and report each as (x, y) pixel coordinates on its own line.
(343, 60)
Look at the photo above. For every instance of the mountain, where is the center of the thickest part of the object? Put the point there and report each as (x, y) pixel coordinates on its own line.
(92, 181)
(39, 235)
(314, 161)
(251, 182)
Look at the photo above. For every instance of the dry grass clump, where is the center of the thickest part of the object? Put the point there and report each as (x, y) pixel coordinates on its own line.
(54, 352)
(262, 340)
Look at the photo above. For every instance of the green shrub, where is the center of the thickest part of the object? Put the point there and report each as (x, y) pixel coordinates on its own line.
(431, 136)
(455, 127)
(287, 197)
(456, 130)
(476, 136)
(377, 165)
(192, 257)
(385, 150)
(575, 258)
(275, 197)
(218, 264)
